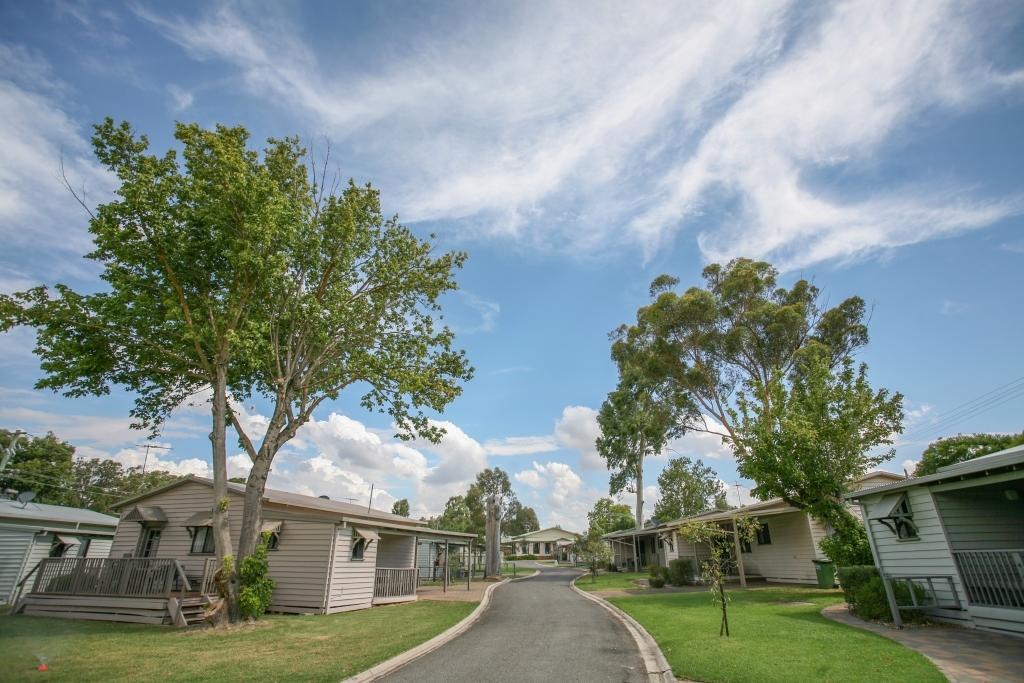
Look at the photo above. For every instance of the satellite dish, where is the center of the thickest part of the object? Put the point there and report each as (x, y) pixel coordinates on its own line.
(26, 497)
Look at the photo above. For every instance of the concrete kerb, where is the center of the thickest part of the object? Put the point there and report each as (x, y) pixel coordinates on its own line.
(658, 669)
(398, 661)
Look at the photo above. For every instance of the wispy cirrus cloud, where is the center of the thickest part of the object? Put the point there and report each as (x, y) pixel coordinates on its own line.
(558, 127)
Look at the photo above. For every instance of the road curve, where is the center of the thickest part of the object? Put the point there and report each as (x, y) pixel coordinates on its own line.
(536, 629)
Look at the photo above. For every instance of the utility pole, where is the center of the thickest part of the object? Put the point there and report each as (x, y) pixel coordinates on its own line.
(147, 446)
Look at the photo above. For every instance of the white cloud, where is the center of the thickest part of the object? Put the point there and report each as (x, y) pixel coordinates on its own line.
(520, 445)
(556, 486)
(950, 307)
(577, 429)
(182, 99)
(702, 445)
(910, 465)
(738, 495)
(487, 311)
(551, 127)
(840, 94)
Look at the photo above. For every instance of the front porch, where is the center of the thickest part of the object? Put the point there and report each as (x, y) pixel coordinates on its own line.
(145, 591)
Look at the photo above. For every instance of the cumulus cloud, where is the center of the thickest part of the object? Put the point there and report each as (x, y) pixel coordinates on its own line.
(577, 429)
(703, 445)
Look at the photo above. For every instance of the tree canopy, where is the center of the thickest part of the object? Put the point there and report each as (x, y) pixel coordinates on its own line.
(400, 507)
(520, 519)
(607, 516)
(962, 447)
(47, 465)
(686, 488)
(771, 371)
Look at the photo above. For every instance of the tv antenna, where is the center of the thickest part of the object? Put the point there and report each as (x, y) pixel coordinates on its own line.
(147, 446)
(26, 497)
(739, 498)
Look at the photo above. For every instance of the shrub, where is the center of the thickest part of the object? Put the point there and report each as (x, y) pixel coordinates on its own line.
(657, 581)
(848, 546)
(851, 578)
(256, 587)
(680, 571)
(659, 575)
(869, 601)
(513, 558)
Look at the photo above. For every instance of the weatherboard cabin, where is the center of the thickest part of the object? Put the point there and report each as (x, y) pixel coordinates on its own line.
(546, 544)
(325, 556)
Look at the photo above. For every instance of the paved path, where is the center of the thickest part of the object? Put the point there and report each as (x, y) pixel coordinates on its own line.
(536, 629)
(964, 655)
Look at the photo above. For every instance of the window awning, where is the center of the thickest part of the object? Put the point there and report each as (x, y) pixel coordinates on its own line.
(884, 508)
(200, 519)
(146, 515)
(68, 540)
(368, 534)
(562, 544)
(271, 526)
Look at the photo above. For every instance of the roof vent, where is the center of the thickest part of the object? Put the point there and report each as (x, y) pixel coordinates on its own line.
(324, 497)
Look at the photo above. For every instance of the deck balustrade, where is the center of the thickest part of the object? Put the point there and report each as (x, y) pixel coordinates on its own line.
(128, 577)
(394, 582)
(992, 578)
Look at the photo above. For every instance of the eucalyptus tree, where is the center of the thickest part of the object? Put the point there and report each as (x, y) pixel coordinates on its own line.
(686, 487)
(637, 420)
(771, 370)
(401, 507)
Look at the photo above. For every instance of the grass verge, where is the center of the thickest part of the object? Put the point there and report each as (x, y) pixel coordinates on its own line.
(277, 648)
(611, 581)
(778, 634)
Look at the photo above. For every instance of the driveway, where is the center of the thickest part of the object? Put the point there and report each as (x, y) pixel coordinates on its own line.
(536, 629)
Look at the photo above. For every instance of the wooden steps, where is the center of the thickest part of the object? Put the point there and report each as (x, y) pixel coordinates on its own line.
(96, 608)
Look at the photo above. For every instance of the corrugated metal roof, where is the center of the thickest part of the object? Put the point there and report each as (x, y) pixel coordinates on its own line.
(1007, 458)
(13, 509)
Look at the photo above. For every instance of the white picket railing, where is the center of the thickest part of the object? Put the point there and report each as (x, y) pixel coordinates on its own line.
(993, 578)
(394, 582)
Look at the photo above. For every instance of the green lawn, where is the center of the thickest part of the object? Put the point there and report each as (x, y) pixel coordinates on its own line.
(610, 581)
(774, 638)
(278, 648)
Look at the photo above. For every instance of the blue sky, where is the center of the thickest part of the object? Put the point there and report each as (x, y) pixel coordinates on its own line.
(576, 151)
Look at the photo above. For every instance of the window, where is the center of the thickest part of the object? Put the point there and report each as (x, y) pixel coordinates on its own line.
(202, 540)
(149, 542)
(274, 541)
(744, 546)
(764, 535)
(358, 548)
(900, 520)
(58, 548)
(83, 549)
(536, 548)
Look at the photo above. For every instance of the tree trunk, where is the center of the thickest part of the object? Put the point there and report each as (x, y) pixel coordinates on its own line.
(725, 614)
(493, 564)
(227, 574)
(252, 514)
(640, 493)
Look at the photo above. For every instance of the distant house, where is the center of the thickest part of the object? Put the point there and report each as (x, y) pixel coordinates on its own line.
(546, 544)
(30, 532)
(325, 556)
(958, 536)
(783, 552)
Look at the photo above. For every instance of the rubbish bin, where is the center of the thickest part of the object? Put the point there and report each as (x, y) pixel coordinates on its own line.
(826, 572)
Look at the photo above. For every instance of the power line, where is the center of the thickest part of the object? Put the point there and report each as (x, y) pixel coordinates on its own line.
(980, 404)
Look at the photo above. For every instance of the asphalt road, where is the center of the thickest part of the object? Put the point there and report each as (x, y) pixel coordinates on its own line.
(536, 629)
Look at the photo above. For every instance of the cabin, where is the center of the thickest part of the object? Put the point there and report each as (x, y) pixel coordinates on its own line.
(325, 556)
(785, 550)
(553, 543)
(951, 544)
(31, 532)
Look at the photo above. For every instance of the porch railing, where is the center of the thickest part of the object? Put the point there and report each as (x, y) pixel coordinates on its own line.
(135, 577)
(207, 586)
(394, 582)
(993, 578)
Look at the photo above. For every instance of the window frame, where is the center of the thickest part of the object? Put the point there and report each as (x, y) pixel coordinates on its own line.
(764, 535)
(358, 543)
(900, 521)
(193, 532)
(146, 536)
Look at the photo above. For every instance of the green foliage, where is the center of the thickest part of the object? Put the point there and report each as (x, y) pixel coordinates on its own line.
(658, 575)
(962, 447)
(491, 481)
(257, 588)
(400, 507)
(519, 520)
(595, 553)
(687, 487)
(608, 516)
(680, 571)
(852, 577)
(715, 569)
(657, 581)
(770, 371)
(848, 545)
(47, 466)
(456, 516)
(870, 602)
(512, 558)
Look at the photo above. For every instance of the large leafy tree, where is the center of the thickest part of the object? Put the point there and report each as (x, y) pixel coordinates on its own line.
(637, 420)
(687, 487)
(456, 516)
(962, 447)
(236, 272)
(608, 516)
(400, 507)
(772, 372)
(520, 519)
